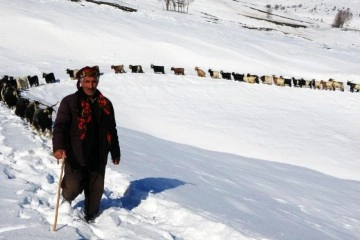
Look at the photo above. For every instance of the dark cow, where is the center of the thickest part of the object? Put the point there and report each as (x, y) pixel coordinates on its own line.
(302, 82)
(118, 68)
(299, 82)
(33, 80)
(21, 107)
(225, 75)
(5, 79)
(178, 71)
(296, 82)
(10, 95)
(353, 86)
(72, 73)
(29, 111)
(136, 68)
(158, 69)
(238, 77)
(42, 120)
(287, 81)
(9, 80)
(12, 82)
(49, 77)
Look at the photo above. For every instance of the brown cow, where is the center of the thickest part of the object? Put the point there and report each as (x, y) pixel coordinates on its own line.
(178, 71)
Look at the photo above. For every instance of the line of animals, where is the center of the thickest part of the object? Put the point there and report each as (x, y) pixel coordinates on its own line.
(331, 84)
(41, 117)
(38, 115)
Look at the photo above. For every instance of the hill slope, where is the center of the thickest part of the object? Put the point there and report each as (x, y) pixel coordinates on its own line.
(201, 158)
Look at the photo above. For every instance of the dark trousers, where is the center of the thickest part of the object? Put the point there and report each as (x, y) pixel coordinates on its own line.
(84, 179)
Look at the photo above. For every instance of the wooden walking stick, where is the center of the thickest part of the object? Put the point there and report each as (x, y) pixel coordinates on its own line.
(58, 194)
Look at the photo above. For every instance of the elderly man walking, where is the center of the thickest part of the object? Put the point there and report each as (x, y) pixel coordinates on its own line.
(84, 133)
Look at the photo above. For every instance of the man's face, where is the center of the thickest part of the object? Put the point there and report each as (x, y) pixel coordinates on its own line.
(89, 85)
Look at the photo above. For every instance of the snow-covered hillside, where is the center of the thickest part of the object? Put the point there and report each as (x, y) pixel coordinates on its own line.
(202, 158)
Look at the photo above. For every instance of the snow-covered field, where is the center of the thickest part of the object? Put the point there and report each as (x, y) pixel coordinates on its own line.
(201, 158)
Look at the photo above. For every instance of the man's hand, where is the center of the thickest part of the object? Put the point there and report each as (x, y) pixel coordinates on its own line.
(60, 154)
(116, 161)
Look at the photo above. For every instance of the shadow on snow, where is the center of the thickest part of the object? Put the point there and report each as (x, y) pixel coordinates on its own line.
(138, 191)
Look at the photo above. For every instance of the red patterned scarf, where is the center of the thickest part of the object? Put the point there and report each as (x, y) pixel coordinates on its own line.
(85, 115)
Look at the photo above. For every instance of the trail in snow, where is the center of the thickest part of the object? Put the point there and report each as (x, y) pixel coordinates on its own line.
(30, 157)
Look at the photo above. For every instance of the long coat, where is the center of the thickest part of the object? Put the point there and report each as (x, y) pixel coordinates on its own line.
(69, 135)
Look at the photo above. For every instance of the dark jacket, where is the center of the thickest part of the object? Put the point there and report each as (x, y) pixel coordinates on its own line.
(101, 134)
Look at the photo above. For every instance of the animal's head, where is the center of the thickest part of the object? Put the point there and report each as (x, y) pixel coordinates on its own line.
(24, 101)
(49, 110)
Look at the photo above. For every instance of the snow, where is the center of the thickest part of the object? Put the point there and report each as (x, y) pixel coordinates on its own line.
(201, 158)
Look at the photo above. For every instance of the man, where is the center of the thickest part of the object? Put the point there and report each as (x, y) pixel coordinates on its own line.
(84, 133)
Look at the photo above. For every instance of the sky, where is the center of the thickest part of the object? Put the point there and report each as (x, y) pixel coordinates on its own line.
(202, 158)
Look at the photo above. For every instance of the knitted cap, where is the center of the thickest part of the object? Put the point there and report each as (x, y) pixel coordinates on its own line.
(88, 72)
(93, 71)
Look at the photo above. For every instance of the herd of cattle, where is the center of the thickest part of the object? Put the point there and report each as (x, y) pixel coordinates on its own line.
(330, 84)
(41, 117)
